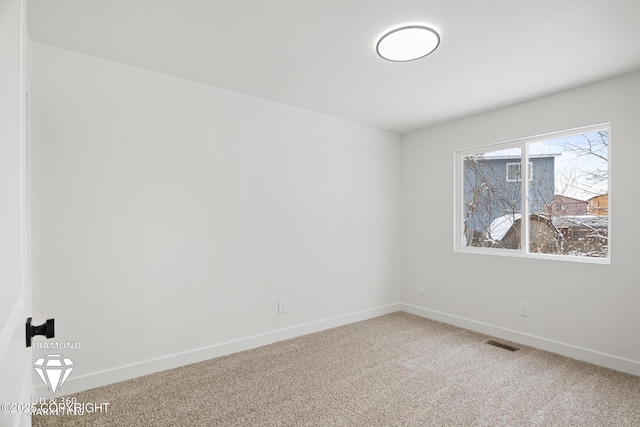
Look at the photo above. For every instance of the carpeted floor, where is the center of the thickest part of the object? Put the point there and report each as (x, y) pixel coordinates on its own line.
(394, 370)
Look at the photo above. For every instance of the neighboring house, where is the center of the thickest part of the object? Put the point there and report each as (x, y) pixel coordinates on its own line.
(563, 205)
(543, 236)
(569, 235)
(492, 189)
(587, 235)
(599, 205)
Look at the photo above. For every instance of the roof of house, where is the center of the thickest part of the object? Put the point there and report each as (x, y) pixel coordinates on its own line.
(580, 221)
(569, 198)
(501, 225)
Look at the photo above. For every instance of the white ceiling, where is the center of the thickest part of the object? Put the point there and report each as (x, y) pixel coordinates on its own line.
(319, 55)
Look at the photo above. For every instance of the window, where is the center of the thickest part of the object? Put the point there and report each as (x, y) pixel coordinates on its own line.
(513, 171)
(531, 218)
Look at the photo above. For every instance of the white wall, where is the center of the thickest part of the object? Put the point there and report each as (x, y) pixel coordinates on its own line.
(190, 211)
(169, 216)
(581, 310)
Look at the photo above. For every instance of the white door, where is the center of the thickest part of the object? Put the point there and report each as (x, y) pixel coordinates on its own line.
(15, 297)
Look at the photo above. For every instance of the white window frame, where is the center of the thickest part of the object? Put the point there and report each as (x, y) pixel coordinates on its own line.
(523, 144)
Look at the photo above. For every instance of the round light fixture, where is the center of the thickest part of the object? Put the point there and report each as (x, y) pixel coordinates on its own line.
(408, 43)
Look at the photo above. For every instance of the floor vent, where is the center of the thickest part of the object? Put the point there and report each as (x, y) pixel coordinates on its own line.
(501, 345)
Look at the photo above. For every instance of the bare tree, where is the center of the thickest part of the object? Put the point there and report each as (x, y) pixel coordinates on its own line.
(594, 145)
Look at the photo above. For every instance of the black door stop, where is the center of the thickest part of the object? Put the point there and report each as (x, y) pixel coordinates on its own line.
(47, 329)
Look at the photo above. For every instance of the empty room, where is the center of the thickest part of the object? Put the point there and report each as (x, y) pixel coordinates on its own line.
(328, 213)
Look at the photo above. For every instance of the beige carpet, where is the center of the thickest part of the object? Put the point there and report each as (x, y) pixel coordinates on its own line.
(394, 370)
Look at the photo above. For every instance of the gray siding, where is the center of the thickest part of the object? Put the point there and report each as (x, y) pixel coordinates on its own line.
(489, 194)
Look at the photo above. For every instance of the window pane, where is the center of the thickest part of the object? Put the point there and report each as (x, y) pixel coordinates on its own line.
(492, 202)
(513, 172)
(568, 196)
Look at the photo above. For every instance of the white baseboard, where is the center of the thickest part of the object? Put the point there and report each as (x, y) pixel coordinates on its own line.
(568, 350)
(127, 372)
(123, 373)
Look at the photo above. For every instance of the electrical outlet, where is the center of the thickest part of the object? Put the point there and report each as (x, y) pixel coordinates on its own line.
(524, 309)
(282, 306)
(421, 289)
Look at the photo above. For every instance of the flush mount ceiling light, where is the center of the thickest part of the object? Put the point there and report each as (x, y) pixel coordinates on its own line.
(408, 43)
